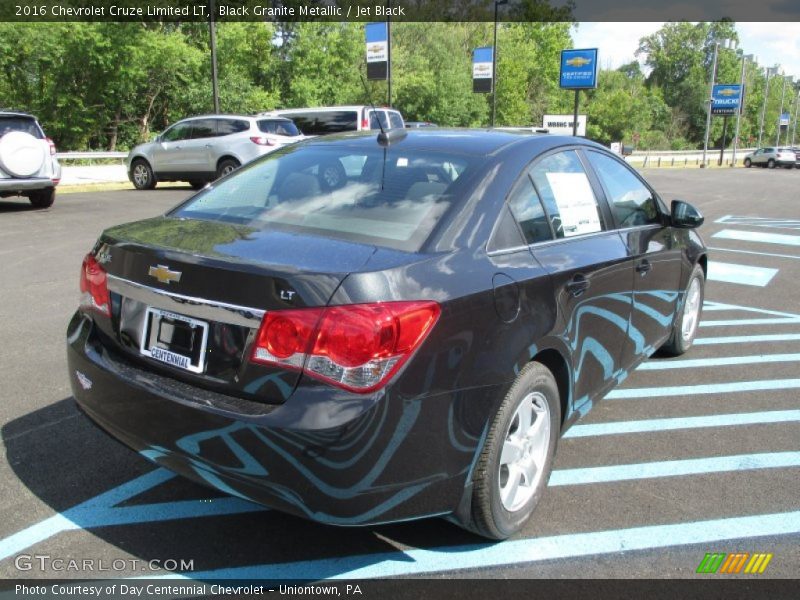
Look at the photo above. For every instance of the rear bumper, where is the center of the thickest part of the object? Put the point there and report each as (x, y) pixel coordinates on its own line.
(24, 185)
(322, 455)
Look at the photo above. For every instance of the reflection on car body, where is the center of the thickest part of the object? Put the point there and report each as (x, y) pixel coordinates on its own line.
(388, 330)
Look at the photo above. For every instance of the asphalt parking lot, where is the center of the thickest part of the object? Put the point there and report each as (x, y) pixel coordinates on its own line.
(690, 455)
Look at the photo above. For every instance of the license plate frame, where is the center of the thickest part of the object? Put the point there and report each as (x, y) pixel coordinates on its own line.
(153, 346)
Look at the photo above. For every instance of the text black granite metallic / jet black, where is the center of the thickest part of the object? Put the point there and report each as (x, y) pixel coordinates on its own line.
(360, 330)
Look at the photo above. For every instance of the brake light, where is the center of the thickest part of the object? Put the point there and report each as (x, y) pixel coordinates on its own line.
(358, 347)
(52, 146)
(262, 140)
(94, 287)
(364, 123)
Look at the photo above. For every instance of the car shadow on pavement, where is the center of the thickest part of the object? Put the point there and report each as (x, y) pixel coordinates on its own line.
(17, 205)
(71, 465)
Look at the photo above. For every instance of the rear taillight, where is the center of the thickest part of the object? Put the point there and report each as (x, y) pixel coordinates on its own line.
(263, 140)
(358, 347)
(94, 286)
(52, 147)
(364, 123)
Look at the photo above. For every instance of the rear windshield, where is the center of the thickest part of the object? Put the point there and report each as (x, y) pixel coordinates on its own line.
(393, 198)
(24, 124)
(325, 121)
(278, 127)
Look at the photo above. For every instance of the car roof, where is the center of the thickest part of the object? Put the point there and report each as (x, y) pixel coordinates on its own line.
(15, 113)
(475, 142)
(326, 108)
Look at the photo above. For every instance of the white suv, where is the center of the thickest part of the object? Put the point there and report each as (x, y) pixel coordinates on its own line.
(201, 149)
(28, 165)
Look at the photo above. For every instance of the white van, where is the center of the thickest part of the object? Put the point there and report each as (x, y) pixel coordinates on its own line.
(335, 119)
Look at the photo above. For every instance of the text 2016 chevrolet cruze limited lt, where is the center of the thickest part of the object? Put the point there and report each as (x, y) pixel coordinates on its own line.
(407, 341)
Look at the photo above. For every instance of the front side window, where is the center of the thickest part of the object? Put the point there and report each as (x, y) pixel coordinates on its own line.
(567, 195)
(393, 198)
(181, 131)
(631, 201)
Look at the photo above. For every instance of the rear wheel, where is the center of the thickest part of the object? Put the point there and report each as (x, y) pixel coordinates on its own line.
(229, 165)
(684, 328)
(197, 184)
(43, 198)
(515, 464)
(748, 163)
(142, 175)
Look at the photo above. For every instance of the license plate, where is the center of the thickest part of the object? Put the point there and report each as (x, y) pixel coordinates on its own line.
(174, 339)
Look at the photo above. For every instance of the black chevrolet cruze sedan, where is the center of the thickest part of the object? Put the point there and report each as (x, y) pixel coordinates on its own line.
(359, 330)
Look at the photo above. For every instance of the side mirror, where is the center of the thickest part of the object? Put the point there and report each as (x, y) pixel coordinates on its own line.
(685, 216)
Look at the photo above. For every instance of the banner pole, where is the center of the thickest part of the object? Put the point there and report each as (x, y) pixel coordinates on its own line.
(575, 114)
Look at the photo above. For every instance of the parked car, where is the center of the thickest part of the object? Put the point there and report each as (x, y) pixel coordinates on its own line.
(771, 157)
(418, 124)
(324, 120)
(201, 149)
(410, 342)
(28, 164)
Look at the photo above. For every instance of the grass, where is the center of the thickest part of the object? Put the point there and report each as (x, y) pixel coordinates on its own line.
(110, 187)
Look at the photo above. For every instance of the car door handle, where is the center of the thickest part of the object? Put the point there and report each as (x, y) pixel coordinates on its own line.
(578, 285)
(644, 267)
(208, 145)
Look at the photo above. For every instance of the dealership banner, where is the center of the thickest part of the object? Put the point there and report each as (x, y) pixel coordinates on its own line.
(562, 124)
(784, 120)
(377, 50)
(726, 99)
(579, 69)
(482, 81)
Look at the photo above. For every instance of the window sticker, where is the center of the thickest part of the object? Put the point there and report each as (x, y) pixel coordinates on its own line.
(576, 203)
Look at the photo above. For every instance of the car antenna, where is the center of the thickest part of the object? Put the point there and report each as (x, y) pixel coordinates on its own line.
(383, 139)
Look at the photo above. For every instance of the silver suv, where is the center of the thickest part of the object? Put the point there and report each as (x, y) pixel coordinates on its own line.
(28, 165)
(201, 149)
(771, 157)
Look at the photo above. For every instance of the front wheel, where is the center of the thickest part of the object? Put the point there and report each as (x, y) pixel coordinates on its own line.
(684, 329)
(770, 164)
(514, 466)
(142, 175)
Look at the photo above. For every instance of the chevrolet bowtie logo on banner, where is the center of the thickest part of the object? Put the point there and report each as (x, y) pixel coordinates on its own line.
(377, 35)
(482, 81)
(726, 99)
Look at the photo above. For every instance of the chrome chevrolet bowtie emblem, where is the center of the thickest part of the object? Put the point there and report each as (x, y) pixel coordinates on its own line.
(163, 274)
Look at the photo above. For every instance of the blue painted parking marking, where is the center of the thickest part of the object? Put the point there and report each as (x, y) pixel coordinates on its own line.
(720, 306)
(672, 424)
(734, 387)
(724, 361)
(741, 274)
(418, 561)
(758, 236)
(770, 254)
(760, 222)
(742, 322)
(747, 339)
(674, 468)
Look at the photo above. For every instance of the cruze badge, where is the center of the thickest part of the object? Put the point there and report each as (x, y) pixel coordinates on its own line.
(164, 275)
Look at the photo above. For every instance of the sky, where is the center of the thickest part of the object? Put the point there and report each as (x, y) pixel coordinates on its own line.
(771, 43)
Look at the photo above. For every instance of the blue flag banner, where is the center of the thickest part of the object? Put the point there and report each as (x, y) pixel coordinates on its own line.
(726, 99)
(579, 69)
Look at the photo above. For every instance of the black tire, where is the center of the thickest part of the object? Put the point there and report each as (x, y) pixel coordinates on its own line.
(227, 166)
(142, 175)
(679, 343)
(332, 176)
(748, 163)
(42, 198)
(771, 163)
(197, 184)
(490, 518)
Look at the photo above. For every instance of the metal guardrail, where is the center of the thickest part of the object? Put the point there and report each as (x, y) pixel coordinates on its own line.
(89, 155)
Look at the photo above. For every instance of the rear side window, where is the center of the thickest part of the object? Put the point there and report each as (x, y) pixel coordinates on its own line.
(204, 128)
(278, 127)
(23, 124)
(529, 213)
(631, 201)
(566, 194)
(231, 126)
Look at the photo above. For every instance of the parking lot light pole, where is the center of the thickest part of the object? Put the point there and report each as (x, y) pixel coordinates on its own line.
(796, 104)
(710, 100)
(213, 34)
(745, 58)
(770, 72)
(494, 60)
